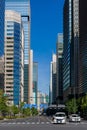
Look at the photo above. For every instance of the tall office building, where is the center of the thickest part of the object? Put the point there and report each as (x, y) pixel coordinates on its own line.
(59, 53)
(23, 7)
(50, 86)
(52, 94)
(82, 47)
(35, 82)
(30, 90)
(2, 14)
(2, 73)
(75, 48)
(67, 32)
(14, 63)
(71, 48)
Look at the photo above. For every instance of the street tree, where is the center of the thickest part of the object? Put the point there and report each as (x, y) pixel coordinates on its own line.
(3, 103)
(71, 106)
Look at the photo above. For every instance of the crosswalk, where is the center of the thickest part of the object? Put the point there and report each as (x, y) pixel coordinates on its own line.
(18, 123)
(37, 123)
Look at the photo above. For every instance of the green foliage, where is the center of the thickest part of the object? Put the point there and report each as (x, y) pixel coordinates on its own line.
(15, 109)
(27, 112)
(3, 105)
(78, 105)
(21, 107)
(34, 111)
(83, 106)
(71, 106)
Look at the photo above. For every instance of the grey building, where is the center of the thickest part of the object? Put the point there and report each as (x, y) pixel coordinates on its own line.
(52, 90)
(59, 68)
(82, 47)
(75, 49)
(71, 48)
(35, 82)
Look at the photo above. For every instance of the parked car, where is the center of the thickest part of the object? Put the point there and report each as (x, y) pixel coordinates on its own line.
(59, 117)
(74, 118)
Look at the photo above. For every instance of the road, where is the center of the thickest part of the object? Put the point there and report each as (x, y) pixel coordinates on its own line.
(40, 123)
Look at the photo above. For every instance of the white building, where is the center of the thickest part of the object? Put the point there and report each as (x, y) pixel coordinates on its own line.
(14, 57)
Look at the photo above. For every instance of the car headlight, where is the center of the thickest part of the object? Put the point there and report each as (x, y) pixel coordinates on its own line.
(63, 120)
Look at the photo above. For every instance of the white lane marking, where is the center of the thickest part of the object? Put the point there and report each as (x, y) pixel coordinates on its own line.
(9, 123)
(28, 122)
(18, 123)
(23, 122)
(38, 123)
(42, 122)
(33, 123)
(47, 122)
(14, 122)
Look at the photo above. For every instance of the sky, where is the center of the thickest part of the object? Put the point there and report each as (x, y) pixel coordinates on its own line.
(46, 23)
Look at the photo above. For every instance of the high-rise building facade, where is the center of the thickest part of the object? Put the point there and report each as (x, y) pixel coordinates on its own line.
(71, 48)
(82, 47)
(2, 73)
(2, 19)
(35, 82)
(67, 32)
(50, 86)
(14, 63)
(2, 14)
(59, 53)
(75, 48)
(42, 101)
(23, 7)
(28, 92)
(52, 94)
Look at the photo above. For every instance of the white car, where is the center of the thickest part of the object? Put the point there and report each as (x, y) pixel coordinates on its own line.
(74, 118)
(59, 117)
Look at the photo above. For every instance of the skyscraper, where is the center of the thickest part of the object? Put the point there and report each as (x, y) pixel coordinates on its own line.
(52, 94)
(67, 31)
(28, 92)
(2, 73)
(75, 48)
(2, 15)
(14, 65)
(35, 81)
(59, 53)
(23, 7)
(82, 47)
(2, 12)
(71, 48)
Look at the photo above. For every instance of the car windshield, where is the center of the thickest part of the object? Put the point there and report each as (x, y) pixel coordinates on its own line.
(74, 115)
(60, 115)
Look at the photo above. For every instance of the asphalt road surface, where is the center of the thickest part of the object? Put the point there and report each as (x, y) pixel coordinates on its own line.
(40, 123)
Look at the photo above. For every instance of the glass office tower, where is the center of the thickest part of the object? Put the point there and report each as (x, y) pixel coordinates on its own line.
(13, 57)
(82, 47)
(23, 7)
(2, 10)
(59, 53)
(67, 34)
(71, 48)
(35, 81)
